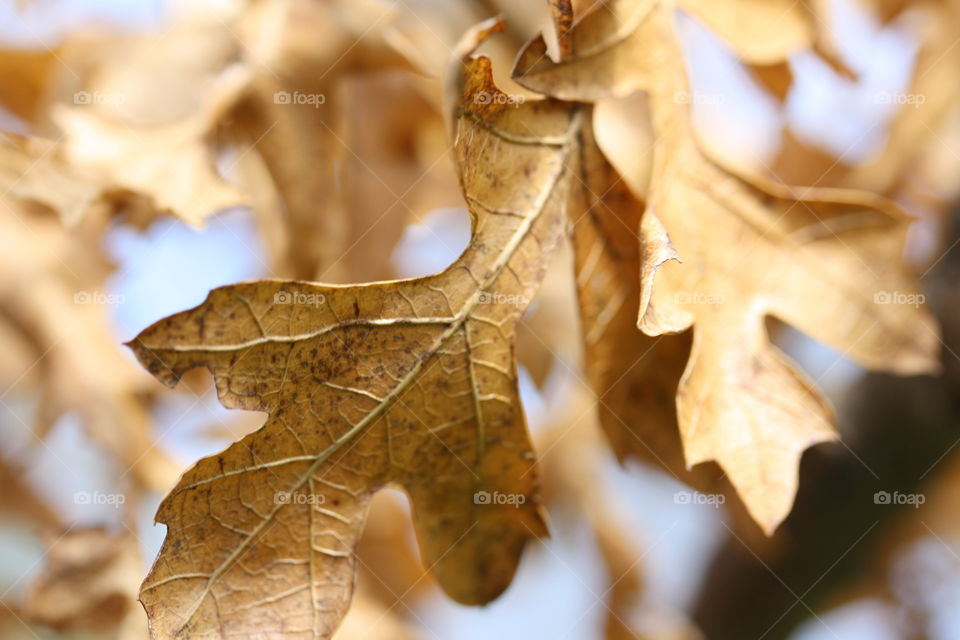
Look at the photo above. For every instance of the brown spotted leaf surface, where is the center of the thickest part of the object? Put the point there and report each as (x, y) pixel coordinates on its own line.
(721, 251)
(407, 383)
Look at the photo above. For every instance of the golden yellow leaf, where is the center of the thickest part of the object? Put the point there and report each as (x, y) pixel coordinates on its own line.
(410, 383)
(720, 251)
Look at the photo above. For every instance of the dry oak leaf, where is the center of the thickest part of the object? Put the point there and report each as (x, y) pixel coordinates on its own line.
(826, 261)
(409, 383)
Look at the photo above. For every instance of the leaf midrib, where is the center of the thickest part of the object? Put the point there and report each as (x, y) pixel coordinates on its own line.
(454, 325)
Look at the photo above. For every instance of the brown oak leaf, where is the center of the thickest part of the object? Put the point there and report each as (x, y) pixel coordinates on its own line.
(409, 383)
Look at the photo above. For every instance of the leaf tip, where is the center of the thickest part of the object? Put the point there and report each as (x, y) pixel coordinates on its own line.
(152, 362)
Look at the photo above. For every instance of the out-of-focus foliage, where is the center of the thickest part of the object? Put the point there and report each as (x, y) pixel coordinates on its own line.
(590, 157)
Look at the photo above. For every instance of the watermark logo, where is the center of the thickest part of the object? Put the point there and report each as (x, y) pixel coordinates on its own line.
(900, 98)
(695, 497)
(96, 97)
(299, 98)
(897, 498)
(298, 297)
(898, 297)
(498, 97)
(97, 297)
(98, 497)
(497, 498)
(514, 300)
(698, 298)
(296, 497)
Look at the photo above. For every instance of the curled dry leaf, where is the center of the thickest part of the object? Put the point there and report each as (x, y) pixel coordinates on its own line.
(410, 383)
(722, 250)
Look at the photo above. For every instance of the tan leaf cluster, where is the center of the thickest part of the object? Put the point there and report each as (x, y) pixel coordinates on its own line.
(721, 250)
